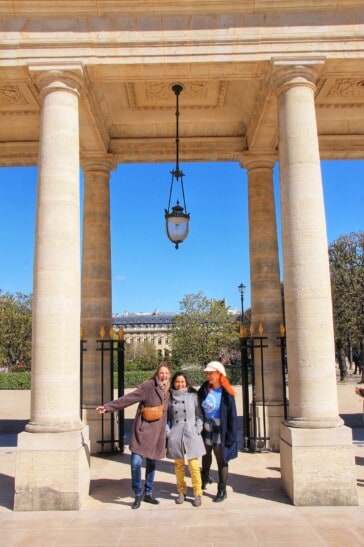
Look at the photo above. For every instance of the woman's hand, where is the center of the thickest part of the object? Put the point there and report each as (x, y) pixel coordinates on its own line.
(101, 409)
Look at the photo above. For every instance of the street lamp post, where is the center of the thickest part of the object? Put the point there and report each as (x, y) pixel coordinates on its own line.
(241, 288)
(244, 375)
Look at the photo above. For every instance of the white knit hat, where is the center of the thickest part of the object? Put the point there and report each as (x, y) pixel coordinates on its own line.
(215, 365)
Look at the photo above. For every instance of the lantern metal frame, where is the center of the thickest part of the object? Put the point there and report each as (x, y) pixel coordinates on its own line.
(177, 219)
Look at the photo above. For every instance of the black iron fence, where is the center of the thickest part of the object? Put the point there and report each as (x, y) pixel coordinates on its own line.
(282, 345)
(255, 438)
(111, 358)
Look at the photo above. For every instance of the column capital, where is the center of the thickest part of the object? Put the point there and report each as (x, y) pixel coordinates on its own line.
(259, 159)
(295, 72)
(50, 78)
(98, 162)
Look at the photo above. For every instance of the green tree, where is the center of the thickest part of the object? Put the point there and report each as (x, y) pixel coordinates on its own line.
(143, 356)
(15, 329)
(203, 330)
(347, 286)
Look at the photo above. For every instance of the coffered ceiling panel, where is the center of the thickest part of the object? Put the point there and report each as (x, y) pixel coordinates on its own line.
(130, 56)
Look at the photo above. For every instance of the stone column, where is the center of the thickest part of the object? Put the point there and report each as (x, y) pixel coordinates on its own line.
(96, 309)
(317, 456)
(266, 298)
(52, 470)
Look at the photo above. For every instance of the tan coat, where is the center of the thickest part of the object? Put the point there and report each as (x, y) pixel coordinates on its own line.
(148, 439)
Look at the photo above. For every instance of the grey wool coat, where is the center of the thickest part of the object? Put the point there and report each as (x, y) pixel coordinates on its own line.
(185, 422)
(148, 439)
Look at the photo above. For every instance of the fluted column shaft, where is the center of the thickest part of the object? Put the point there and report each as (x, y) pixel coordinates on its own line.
(310, 338)
(55, 402)
(96, 271)
(266, 299)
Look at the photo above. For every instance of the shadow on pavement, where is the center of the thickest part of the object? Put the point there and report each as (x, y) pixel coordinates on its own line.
(355, 421)
(9, 430)
(7, 490)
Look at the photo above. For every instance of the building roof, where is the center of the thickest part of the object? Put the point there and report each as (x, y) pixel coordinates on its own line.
(143, 318)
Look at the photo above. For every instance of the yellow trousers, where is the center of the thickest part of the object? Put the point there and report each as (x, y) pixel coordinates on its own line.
(193, 466)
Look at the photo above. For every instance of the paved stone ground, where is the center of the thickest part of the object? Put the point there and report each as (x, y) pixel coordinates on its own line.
(257, 511)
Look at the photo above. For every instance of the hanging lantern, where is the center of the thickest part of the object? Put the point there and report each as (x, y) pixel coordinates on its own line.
(177, 218)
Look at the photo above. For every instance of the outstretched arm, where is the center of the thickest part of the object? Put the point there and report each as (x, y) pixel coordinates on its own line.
(126, 400)
(101, 409)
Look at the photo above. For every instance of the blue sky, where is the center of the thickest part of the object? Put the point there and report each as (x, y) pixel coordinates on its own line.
(148, 273)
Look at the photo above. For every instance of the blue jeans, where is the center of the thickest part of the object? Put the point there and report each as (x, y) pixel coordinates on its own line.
(136, 475)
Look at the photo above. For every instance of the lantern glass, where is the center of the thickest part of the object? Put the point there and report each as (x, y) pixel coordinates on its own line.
(177, 224)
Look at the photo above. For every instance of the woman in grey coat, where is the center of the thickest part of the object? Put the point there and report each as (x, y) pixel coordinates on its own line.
(148, 439)
(185, 422)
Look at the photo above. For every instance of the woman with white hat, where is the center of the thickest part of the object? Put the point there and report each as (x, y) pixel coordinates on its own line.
(216, 396)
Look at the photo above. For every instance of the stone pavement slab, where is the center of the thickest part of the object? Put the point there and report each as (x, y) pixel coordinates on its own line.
(256, 513)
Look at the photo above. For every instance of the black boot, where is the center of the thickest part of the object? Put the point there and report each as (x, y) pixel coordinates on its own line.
(148, 498)
(137, 502)
(221, 493)
(205, 479)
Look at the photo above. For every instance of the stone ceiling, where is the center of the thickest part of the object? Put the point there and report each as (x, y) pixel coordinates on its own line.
(131, 53)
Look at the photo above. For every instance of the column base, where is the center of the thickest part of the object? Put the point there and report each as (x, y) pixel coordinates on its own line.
(52, 471)
(318, 466)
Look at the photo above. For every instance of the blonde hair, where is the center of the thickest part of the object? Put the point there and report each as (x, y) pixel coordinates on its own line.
(161, 365)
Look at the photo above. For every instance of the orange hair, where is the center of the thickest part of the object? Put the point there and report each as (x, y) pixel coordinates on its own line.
(225, 384)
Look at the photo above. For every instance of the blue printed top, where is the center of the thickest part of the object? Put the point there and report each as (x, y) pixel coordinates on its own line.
(211, 405)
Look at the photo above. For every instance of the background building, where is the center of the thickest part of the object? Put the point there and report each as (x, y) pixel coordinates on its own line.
(147, 327)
